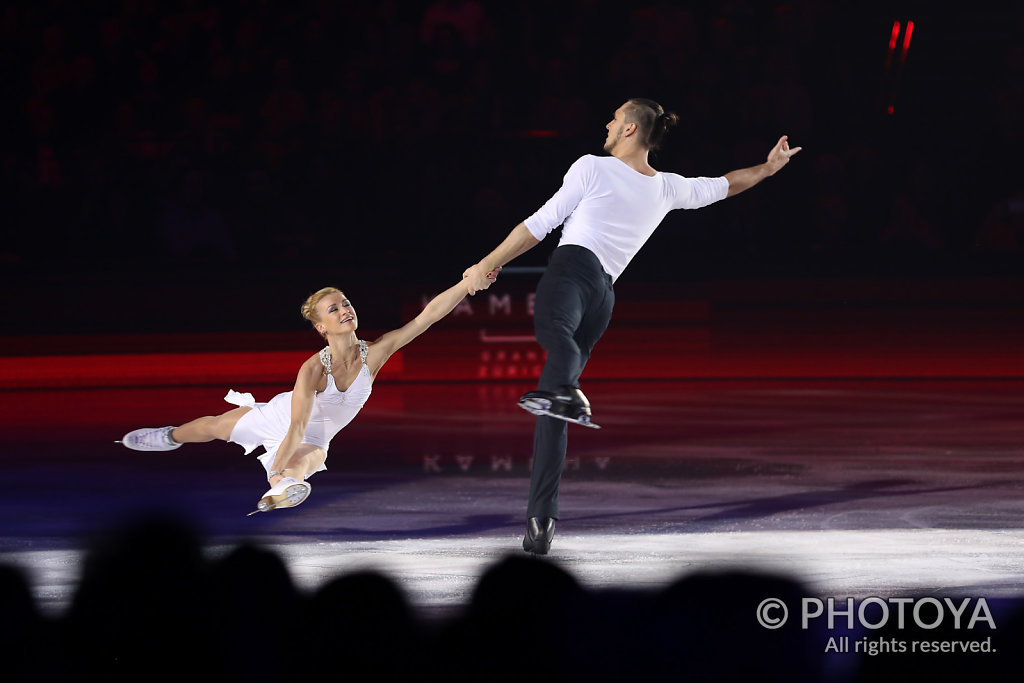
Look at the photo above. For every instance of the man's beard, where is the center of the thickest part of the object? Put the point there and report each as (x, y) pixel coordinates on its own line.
(610, 145)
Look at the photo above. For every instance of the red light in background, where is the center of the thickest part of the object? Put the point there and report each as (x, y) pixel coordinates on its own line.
(892, 44)
(906, 41)
(895, 34)
(893, 78)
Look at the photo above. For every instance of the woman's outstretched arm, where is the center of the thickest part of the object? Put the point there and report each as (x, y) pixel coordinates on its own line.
(440, 306)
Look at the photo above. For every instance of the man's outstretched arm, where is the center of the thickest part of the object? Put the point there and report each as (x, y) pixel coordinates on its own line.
(518, 242)
(746, 178)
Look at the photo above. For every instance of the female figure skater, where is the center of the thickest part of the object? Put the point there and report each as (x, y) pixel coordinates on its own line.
(297, 426)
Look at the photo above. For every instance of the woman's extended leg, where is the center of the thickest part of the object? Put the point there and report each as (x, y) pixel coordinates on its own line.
(197, 431)
(203, 429)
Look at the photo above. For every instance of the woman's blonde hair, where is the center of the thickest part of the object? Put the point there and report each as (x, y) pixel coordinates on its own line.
(309, 307)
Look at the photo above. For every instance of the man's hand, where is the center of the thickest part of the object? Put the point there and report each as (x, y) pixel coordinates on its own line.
(780, 154)
(743, 179)
(478, 279)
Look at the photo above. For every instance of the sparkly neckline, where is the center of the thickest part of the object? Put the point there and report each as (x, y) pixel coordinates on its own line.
(325, 356)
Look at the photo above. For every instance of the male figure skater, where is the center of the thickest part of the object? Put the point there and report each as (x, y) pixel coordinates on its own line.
(609, 207)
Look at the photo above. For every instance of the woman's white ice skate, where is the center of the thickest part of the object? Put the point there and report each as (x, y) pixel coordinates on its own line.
(288, 493)
(150, 439)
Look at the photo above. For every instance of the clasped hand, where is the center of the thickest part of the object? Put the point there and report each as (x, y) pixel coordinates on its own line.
(477, 279)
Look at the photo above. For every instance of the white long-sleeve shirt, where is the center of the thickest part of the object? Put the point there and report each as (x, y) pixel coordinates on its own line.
(607, 207)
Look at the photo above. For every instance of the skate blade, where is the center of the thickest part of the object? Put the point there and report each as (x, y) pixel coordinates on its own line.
(546, 413)
(264, 506)
(588, 423)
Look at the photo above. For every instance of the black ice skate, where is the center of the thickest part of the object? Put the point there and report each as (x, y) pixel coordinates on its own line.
(569, 405)
(539, 532)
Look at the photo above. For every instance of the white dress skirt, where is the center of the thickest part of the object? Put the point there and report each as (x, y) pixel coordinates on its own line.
(267, 423)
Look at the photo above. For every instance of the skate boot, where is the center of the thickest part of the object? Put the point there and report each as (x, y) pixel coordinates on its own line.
(150, 439)
(569, 404)
(288, 493)
(539, 532)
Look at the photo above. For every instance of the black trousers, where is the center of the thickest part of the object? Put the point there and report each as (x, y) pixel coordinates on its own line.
(571, 311)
